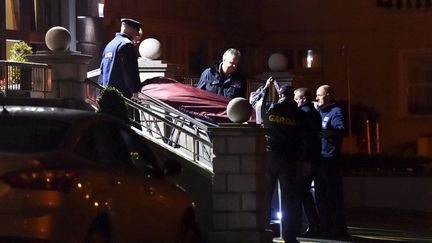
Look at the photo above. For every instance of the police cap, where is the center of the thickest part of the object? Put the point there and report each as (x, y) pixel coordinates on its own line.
(132, 23)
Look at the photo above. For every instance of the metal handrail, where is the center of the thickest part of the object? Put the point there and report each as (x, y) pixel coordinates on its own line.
(168, 127)
(25, 76)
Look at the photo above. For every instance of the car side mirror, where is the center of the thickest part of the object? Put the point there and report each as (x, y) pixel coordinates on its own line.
(172, 167)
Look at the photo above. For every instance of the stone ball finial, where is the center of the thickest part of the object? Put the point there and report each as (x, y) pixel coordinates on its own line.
(58, 38)
(278, 62)
(239, 110)
(150, 48)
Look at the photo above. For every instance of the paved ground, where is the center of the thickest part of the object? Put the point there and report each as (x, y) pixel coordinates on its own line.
(384, 225)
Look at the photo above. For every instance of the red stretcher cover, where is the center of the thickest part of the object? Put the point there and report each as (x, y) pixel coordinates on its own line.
(197, 103)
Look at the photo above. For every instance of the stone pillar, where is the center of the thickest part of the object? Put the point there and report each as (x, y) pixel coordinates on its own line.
(68, 20)
(149, 65)
(156, 68)
(238, 191)
(69, 70)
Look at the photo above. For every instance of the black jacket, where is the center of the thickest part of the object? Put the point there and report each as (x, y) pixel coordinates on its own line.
(119, 66)
(333, 130)
(284, 123)
(213, 81)
(312, 132)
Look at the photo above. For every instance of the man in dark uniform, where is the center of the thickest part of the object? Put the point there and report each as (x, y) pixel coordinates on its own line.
(119, 66)
(223, 78)
(312, 161)
(333, 129)
(284, 133)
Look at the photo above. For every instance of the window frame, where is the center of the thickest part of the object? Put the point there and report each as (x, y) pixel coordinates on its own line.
(405, 57)
(120, 132)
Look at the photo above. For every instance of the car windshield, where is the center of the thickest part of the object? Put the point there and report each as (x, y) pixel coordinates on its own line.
(30, 135)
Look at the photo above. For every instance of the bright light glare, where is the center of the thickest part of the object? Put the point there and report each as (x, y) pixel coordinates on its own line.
(101, 9)
(279, 215)
(309, 58)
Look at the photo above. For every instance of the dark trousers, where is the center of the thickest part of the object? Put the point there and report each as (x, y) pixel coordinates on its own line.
(280, 167)
(330, 200)
(308, 201)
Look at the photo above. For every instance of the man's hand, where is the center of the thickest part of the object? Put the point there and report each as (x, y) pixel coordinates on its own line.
(269, 82)
(135, 96)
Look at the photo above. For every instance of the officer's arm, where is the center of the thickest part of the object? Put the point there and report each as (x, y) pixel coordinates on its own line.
(130, 71)
(101, 68)
(337, 121)
(265, 107)
(337, 125)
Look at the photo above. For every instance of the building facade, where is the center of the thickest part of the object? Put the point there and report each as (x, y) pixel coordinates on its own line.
(376, 53)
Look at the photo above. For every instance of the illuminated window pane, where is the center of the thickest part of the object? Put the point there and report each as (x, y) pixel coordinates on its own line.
(101, 9)
(309, 59)
(13, 14)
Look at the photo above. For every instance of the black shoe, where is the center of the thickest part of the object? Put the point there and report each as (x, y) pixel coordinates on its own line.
(275, 227)
(311, 232)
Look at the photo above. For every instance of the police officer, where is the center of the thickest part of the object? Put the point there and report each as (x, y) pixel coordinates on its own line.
(223, 78)
(312, 161)
(119, 66)
(284, 132)
(333, 129)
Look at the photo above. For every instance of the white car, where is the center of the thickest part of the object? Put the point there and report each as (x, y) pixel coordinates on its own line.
(76, 176)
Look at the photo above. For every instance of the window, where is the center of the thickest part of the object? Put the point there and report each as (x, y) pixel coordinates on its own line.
(416, 68)
(30, 135)
(13, 14)
(101, 7)
(103, 145)
(302, 59)
(420, 86)
(116, 147)
(140, 156)
(309, 59)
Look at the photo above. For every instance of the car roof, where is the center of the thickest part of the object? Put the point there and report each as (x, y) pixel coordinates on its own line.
(50, 102)
(52, 113)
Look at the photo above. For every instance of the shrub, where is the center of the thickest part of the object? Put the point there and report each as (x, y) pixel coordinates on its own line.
(19, 51)
(110, 101)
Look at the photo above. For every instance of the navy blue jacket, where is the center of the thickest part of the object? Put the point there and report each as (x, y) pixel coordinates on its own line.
(214, 81)
(119, 66)
(333, 129)
(312, 131)
(284, 123)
